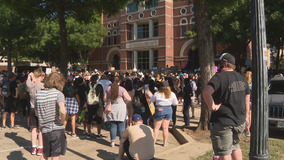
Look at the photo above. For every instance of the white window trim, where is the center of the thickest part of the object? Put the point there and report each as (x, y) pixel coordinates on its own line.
(108, 25)
(115, 24)
(191, 20)
(131, 18)
(182, 9)
(183, 23)
(191, 9)
(114, 32)
(139, 15)
(152, 14)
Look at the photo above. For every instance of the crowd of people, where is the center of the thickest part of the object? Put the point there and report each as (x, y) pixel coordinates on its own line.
(49, 101)
(124, 103)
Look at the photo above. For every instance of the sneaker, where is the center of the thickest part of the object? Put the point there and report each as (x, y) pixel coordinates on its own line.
(34, 150)
(39, 151)
(84, 132)
(247, 134)
(192, 117)
(112, 144)
(73, 135)
(186, 126)
(165, 144)
(89, 135)
(3, 127)
(100, 136)
(13, 127)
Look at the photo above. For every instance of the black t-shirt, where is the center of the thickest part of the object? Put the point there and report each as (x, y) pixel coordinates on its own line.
(230, 89)
(187, 92)
(12, 86)
(82, 92)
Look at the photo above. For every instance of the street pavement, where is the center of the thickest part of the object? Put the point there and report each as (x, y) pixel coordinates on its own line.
(16, 144)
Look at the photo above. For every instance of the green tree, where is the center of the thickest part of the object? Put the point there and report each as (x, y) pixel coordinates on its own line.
(231, 24)
(205, 48)
(81, 10)
(15, 33)
(274, 13)
(84, 37)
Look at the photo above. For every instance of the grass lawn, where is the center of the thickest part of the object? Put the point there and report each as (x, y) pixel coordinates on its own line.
(276, 151)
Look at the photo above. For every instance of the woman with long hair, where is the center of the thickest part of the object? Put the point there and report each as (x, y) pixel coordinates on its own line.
(116, 95)
(164, 99)
(95, 109)
(72, 103)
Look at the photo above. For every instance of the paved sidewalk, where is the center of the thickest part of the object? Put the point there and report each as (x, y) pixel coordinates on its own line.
(16, 145)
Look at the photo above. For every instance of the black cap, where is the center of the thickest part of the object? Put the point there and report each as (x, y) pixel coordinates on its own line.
(227, 57)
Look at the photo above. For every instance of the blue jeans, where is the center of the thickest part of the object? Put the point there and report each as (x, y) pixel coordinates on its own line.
(114, 126)
(143, 114)
(186, 105)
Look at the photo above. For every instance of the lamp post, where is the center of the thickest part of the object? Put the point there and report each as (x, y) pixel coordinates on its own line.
(259, 128)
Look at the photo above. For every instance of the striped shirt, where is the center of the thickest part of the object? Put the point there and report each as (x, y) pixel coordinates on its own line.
(46, 104)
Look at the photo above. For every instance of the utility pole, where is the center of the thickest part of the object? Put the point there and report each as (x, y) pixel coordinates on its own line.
(259, 127)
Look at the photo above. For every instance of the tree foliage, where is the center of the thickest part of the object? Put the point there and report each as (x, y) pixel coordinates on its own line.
(81, 10)
(16, 34)
(274, 13)
(230, 23)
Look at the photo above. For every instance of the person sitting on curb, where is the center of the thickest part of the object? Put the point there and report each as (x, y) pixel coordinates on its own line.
(137, 141)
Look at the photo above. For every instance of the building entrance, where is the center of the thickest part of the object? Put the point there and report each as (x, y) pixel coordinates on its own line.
(116, 62)
(193, 61)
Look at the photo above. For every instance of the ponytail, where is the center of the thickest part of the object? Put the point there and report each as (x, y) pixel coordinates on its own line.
(114, 88)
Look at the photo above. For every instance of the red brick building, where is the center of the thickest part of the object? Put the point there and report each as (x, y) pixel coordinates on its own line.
(140, 37)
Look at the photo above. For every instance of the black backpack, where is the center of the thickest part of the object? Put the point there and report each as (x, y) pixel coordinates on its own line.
(136, 102)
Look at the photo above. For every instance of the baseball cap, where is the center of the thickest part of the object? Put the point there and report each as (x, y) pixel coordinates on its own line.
(69, 78)
(136, 117)
(227, 57)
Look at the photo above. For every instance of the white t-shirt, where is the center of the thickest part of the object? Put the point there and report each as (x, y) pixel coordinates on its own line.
(160, 99)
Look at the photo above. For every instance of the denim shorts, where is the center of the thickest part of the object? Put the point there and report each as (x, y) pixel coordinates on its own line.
(165, 112)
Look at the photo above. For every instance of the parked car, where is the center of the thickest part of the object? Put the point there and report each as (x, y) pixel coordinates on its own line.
(276, 103)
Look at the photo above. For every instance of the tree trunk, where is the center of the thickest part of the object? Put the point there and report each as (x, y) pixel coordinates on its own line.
(206, 56)
(63, 40)
(9, 55)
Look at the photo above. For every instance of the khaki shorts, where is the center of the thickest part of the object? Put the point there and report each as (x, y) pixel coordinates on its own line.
(225, 139)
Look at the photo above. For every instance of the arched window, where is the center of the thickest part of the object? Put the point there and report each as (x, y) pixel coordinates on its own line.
(192, 20)
(183, 23)
(114, 33)
(108, 25)
(108, 38)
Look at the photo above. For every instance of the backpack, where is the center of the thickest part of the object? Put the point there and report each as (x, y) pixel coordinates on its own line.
(68, 91)
(92, 96)
(6, 89)
(136, 100)
(23, 93)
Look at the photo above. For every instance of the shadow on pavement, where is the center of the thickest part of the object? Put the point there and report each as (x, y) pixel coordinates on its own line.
(103, 154)
(16, 155)
(20, 141)
(80, 154)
